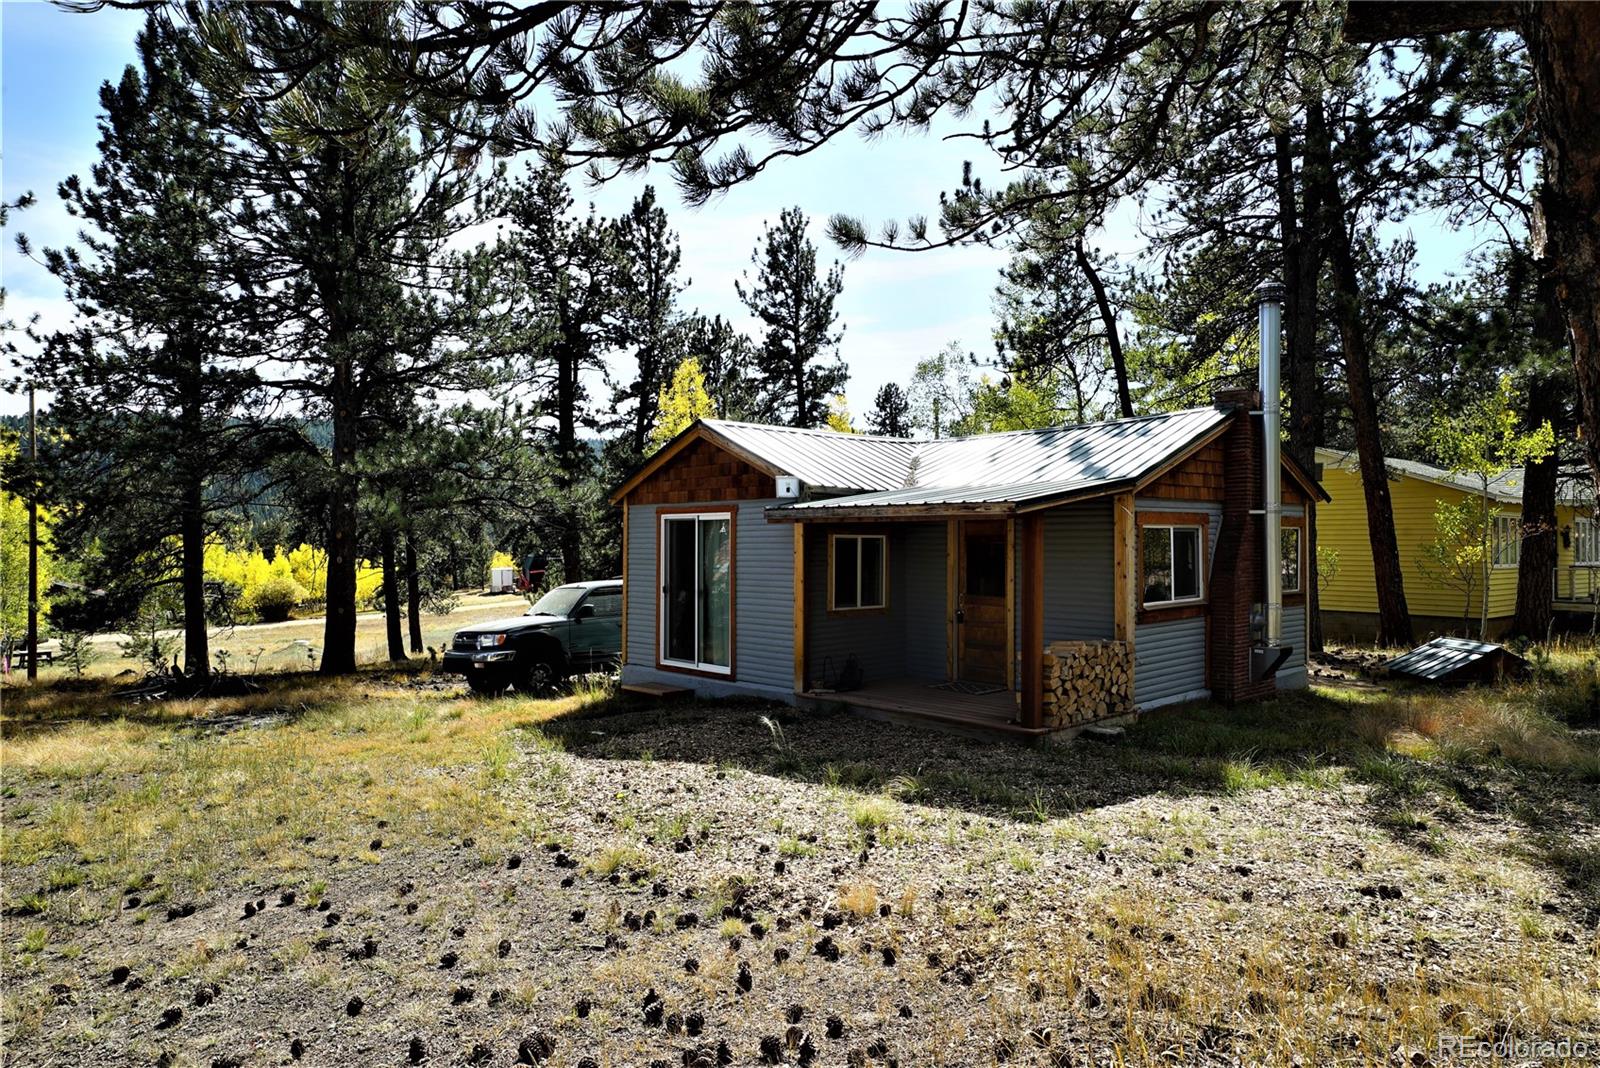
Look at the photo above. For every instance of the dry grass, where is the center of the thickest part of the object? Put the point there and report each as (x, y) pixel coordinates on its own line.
(1196, 894)
(172, 799)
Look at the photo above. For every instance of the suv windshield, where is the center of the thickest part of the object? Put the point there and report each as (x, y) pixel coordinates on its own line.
(558, 602)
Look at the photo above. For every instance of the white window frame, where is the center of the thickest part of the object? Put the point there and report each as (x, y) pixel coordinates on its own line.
(883, 576)
(663, 609)
(1172, 555)
(1585, 542)
(1299, 555)
(1505, 541)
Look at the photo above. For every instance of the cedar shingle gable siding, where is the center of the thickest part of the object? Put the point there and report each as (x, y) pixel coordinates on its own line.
(704, 472)
(1203, 477)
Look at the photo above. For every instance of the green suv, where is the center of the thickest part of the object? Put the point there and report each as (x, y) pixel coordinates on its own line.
(571, 630)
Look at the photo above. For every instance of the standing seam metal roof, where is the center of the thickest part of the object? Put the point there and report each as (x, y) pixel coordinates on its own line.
(986, 468)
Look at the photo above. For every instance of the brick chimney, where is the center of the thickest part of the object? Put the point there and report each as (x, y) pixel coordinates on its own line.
(1237, 566)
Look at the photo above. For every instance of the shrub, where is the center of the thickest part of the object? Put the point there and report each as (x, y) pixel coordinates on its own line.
(274, 599)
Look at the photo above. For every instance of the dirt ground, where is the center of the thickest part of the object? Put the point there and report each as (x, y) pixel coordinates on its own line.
(598, 882)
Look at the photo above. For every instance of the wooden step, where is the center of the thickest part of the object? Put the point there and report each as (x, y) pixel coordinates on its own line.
(659, 691)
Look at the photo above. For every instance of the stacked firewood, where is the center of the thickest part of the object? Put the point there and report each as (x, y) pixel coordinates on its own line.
(1087, 681)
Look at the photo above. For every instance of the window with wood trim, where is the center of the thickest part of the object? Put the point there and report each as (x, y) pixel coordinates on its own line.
(1291, 559)
(1506, 541)
(697, 591)
(1171, 569)
(859, 570)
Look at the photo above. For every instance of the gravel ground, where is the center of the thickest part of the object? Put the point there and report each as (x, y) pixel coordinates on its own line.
(733, 884)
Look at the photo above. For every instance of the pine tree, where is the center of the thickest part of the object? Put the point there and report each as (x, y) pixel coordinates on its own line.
(727, 359)
(355, 203)
(650, 326)
(793, 366)
(891, 412)
(564, 276)
(154, 431)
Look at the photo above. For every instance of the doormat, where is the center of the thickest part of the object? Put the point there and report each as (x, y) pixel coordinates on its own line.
(971, 689)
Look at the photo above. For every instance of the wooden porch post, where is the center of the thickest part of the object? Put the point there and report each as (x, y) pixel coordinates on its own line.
(1032, 620)
(1125, 568)
(952, 549)
(800, 608)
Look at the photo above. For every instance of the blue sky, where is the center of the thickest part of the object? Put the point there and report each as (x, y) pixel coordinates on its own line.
(896, 308)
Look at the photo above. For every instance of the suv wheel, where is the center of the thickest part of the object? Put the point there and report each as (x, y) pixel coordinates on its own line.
(541, 677)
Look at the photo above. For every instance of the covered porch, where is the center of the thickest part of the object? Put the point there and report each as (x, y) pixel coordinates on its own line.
(940, 614)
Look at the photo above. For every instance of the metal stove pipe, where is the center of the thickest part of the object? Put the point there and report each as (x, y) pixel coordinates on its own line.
(1269, 307)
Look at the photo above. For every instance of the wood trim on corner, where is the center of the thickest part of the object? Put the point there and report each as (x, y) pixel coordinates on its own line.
(732, 674)
(1033, 620)
(623, 660)
(1125, 567)
(1011, 604)
(952, 546)
(800, 685)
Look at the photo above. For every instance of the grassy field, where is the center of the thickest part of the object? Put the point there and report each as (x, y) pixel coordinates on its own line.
(296, 645)
(387, 870)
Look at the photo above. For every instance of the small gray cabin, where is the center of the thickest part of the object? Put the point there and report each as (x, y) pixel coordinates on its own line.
(1025, 582)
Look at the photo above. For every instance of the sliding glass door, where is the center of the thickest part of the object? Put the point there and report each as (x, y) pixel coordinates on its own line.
(697, 591)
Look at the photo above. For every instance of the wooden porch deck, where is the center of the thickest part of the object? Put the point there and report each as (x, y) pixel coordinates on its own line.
(917, 701)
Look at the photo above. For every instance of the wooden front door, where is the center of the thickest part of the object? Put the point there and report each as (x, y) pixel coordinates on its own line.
(981, 602)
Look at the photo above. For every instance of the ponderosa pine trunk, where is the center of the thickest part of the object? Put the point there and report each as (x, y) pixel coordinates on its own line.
(192, 523)
(1108, 323)
(391, 597)
(566, 475)
(339, 622)
(1564, 46)
(196, 642)
(413, 596)
(1394, 618)
(1302, 266)
(1547, 400)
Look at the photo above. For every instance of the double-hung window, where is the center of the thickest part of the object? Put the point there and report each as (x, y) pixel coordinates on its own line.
(1171, 564)
(1506, 541)
(859, 572)
(697, 591)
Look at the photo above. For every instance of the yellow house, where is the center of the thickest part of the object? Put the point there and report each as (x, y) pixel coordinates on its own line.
(1349, 598)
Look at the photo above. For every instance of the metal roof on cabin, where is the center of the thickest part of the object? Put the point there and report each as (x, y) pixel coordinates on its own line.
(986, 468)
(1442, 657)
(825, 459)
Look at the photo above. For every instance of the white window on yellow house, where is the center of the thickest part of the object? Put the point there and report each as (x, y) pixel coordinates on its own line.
(1586, 542)
(1505, 546)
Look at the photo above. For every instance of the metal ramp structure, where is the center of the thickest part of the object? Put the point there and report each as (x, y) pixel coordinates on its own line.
(1458, 660)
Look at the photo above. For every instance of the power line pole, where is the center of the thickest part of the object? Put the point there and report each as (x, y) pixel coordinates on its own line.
(33, 540)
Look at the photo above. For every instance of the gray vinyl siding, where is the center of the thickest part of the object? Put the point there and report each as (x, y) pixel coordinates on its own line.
(925, 608)
(763, 580)
(1292, 676)
(876, 639)
(1169, 661)
(1079, 562)
(1169, 658)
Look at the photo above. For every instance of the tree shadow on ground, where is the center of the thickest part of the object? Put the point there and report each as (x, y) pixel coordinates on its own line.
(1316, 739)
